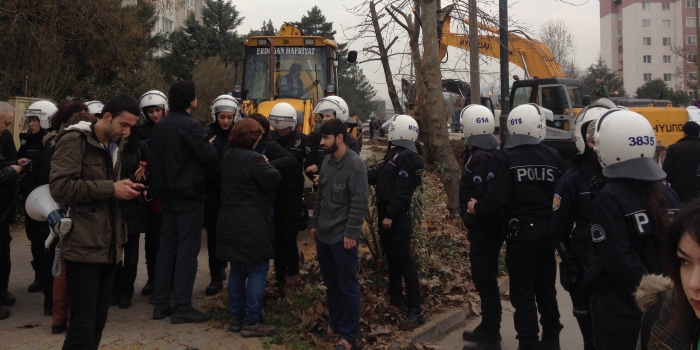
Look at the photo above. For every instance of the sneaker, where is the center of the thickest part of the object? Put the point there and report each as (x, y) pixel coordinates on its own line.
(4, 313)
(124, 303)
(414, 318)
(6, 298)
(161, 314)
(235, 325)
(214, 287)
(190, 316)
(35, 287)
(148, 288)
(257, 330)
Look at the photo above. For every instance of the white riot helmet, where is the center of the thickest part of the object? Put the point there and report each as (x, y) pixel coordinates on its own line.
(225, 103)
(587, 115)
(153, 98)
(403, 131)
(625, 142)
(478, 125)
(333, 105)
(95, 108)
(527, 125)
(283, 116)
(43, 110)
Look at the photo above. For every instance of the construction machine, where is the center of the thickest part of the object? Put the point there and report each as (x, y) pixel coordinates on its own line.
(289, 67)
(546, 85)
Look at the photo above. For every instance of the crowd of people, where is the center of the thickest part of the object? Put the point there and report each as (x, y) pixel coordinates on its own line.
(618, 226)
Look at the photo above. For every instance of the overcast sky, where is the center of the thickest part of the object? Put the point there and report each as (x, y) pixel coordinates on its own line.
(583, 21)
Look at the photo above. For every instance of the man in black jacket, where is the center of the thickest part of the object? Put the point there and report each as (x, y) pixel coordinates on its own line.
(681, 163)
(180, 153)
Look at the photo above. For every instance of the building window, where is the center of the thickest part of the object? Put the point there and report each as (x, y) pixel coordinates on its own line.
(668, 77)
(692, 58)
(646, 41)
(693, 94)
(666, 6)
(647, 76)
(666, 23)
(690, 22)
(667, 58)
(646, 23)
(646, 58)
(619, 49)
(190, 5)
(691, 40)
(667, 41)
(167, 25)
(693, 76)
(646, 6)
(690, 4)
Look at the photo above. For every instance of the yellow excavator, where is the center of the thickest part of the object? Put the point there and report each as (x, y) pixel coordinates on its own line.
(546, 85)
(289, 67)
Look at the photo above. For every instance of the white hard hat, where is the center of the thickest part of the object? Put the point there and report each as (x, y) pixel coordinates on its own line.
(95, 107)
(478, 125)
(625, 143)
(282, 116)
(527, 125)
(43, 110)
(153, 98)
(225, 103)
(333, 105)
(403, 131)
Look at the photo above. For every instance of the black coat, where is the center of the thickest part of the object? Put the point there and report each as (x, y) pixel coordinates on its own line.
(292, 177)
(275, 153)
(145, 130)
(681, 164)
(244, 230)
(180, 155)
(135, 211)
(32, 147)
(473, 185)
(222, 146)
(8, 178)
(395, 178)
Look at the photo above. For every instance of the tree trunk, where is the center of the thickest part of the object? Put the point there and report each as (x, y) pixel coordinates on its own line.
(384, 57)
(431, 95)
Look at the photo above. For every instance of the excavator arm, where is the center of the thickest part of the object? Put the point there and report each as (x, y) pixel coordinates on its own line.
(529, 54)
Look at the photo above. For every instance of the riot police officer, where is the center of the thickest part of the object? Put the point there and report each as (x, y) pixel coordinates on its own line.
(572, 201)
(95, 108)
(289, 195)
(486, 235)
(521, 183)
(395, 178)
(224, 110)
(629, 216)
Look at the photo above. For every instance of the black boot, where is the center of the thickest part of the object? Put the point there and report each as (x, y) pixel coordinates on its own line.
(4, 313)
(414, 318)
(473, 335)
(6, 298)
(486, 342)
(214, 287)
(148, 288)
(549, 343)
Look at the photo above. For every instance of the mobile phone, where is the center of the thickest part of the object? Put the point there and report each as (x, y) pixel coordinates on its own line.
(27, 164)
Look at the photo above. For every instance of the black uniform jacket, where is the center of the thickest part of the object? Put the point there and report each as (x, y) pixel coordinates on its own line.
(276, 154)
(521, 182)
(681, 163)
(32, 147)
(624, 245)
(213, 172)
(316, 152)
(8, 177)
(574, 193)
(180, 154)
(473, 182)
(295, 143)
(396, 178)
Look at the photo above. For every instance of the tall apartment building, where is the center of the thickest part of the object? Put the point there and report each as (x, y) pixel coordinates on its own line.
(174, 15)
(640, 39)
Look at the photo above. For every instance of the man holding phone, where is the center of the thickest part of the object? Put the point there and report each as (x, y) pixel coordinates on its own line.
(84, 180)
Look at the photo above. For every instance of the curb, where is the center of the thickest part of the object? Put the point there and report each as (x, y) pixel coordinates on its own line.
(434, 329)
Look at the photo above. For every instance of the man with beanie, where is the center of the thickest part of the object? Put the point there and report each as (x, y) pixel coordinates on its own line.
(681, 163)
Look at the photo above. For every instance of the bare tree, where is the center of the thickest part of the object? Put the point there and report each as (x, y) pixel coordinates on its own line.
(556, 34)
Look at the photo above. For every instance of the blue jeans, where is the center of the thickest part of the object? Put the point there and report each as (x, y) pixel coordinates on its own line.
(180, 240)
(339, 271)
(246, 302)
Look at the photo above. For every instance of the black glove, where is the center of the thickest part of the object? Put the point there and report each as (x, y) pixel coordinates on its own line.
(568, 272)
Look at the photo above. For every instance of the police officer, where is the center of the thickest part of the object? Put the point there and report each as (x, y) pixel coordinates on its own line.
(521, 183)
(224, 110)
(629, 216)
(95, 108)
(486, 235)
(331, 107)
(288, 198)
(572, 201)
(395, 179)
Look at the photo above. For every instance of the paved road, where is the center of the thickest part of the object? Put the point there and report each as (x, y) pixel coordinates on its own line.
(570, 336)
